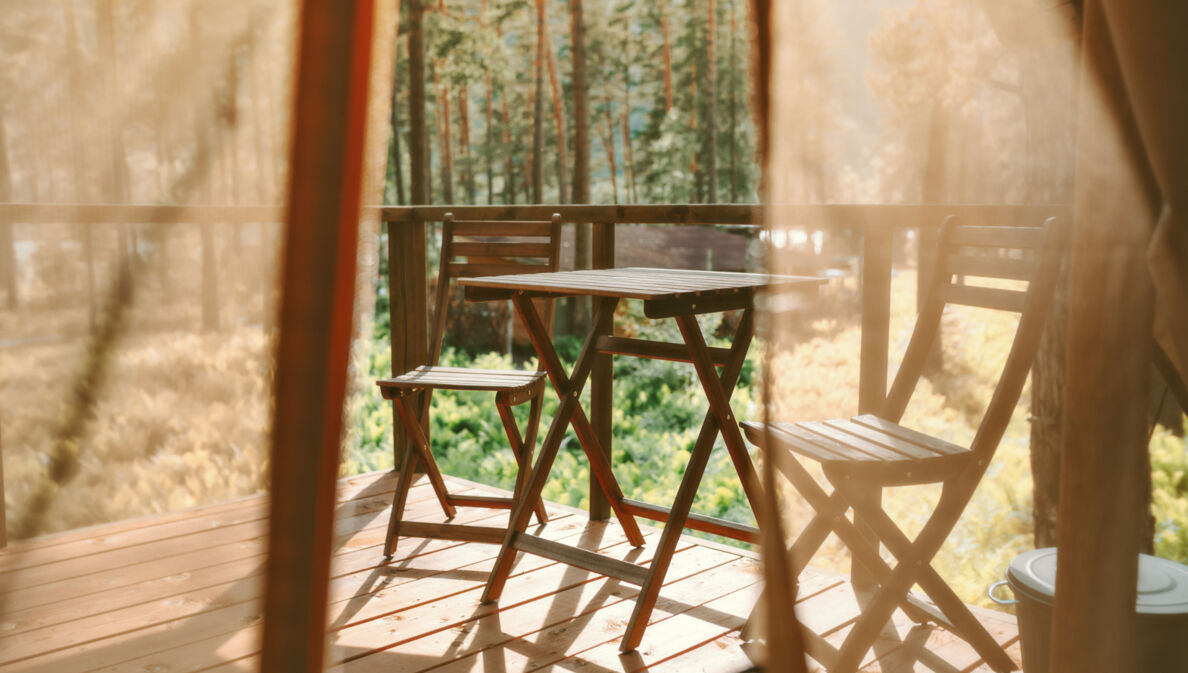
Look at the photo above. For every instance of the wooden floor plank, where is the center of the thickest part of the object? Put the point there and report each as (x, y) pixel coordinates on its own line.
(376, 646)
(86, 581)
(241, 591)
(677, 626)
(117, 557)
(180, 592)
(107, 637)
(724, 654)
(713, 597)
(418, 610)
(193, 516)
(73, 604)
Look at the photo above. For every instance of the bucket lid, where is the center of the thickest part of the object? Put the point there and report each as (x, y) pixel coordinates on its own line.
(1162, 584)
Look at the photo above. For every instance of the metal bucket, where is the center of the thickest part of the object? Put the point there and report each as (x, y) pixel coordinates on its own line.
(1162, 607)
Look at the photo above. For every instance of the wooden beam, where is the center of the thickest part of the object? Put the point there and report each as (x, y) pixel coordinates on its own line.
(876, 320)
(602, 376)
(318, 282)
(851, 215)
(856, 216)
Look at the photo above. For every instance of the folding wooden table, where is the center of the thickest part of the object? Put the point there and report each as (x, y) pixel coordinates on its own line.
(666, 293)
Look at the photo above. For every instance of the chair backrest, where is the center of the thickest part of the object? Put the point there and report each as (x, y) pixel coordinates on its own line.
(471, 248)
(1031, 255)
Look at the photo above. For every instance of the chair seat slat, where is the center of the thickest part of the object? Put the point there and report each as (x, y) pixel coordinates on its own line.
(937, 445)
(791, 437)
(852, 444)
(907, 450)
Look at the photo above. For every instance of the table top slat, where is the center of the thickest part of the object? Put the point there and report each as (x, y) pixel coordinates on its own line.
(639, 283)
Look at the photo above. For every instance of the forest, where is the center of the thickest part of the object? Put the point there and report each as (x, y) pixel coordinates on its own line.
(573, 102)
(494, 101)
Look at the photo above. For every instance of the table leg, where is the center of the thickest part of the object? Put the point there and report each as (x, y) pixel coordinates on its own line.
(714, 422)
(719, 398)
(568, 411)
(600, 466)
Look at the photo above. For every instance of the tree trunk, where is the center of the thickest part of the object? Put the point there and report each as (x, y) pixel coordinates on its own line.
(628, 160)
(608, 143)
(394, 158)
(558, 115)
(489, 146)
(117, 166)
(733, 104)
(464, 131)
(443, 137)
(694, 161)
(7, 245)
(210, 281)
(418, 150)
(629, 185)
(580, 313)
(711, 104)
(581, 105)
(935, 190)
(78, 87)
(667, 56)
(538, 108)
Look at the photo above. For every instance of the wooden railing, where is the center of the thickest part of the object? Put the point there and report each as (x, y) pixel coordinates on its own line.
(408, 271)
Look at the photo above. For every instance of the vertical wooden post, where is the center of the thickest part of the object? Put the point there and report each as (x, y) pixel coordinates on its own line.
(602, 381)
(407, 309)
(407, 306)
(313, 351)
(876, 318)
(210, 280)
(926, 241)
(876, 336)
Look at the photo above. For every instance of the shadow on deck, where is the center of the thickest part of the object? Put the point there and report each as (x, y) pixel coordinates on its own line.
(181, 592)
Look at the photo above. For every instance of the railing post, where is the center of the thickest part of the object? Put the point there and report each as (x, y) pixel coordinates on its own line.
(602, 375)
(407, 309)
(876, 318)
(876, 336)
(8, 265)
(210, 280)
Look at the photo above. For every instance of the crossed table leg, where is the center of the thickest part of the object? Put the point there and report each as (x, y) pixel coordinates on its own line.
(719, 418)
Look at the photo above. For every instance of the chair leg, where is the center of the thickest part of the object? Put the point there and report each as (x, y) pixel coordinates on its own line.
(408, 466)
(571, 385)
(420, 444)
(645, 602)
(912, 558)
(953, 608)
(719, 419)
(523, 454)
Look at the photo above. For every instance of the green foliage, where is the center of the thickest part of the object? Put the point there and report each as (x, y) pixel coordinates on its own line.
(658, 407)
(1169, 484)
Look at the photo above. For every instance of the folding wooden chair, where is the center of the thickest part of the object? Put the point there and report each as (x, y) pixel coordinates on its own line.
(862, 455)
(469, 249)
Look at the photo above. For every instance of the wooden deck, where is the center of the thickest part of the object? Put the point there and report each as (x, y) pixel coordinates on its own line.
(181, 592)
